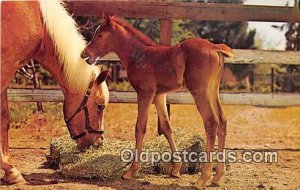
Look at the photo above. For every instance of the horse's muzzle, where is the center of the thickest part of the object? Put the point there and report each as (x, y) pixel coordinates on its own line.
(84, 144)
(99, 142)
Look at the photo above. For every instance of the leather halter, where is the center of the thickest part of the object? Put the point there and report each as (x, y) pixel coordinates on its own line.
(83, 106)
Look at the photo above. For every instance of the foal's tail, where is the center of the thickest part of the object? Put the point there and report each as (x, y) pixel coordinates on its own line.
(224, 50)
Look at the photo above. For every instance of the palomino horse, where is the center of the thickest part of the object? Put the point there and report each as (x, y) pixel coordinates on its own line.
(45, 32)
(153, 70)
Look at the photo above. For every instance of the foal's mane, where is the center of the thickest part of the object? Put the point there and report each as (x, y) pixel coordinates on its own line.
(139, 35)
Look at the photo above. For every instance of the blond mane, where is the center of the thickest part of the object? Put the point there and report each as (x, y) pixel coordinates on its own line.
(68, 43)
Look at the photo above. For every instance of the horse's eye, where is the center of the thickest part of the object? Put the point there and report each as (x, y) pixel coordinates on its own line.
(101, 107)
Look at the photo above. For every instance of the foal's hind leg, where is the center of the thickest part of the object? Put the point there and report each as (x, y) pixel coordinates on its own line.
(211, 122)
(221, 133)
(166, 129)
(12, 175)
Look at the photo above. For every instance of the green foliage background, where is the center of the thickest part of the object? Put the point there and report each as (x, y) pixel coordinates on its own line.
(234, 34)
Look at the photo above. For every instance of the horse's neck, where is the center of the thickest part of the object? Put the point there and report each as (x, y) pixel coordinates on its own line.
(49, 59)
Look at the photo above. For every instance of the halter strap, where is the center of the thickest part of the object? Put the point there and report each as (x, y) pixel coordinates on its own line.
(83, 106)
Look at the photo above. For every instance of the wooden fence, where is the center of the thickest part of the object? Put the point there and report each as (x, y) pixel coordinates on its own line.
(165, 12)
(258, 99)
(193, 11)
(243, 57)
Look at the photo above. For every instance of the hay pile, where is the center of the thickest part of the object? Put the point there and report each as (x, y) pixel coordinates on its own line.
(105, 162)
(100, 163)
(184, 141)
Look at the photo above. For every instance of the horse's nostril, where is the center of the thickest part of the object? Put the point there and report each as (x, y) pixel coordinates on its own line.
(99, 142)
(84, 55)
(82, 147)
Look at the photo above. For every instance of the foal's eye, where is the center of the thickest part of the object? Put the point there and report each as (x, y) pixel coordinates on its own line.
(99, 35)
(101, 107)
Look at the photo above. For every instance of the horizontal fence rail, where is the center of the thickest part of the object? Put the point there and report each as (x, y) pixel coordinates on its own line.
(166, 11)
(257, 99)
(248, 57)
(194, 11)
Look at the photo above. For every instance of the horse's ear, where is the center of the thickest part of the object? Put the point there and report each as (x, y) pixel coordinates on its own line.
(102, 77)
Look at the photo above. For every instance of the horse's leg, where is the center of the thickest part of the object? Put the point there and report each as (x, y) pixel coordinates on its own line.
(144, 102)
(222, 128)
(221, 133)
(166, 129)
(12, 175)
(211, 122)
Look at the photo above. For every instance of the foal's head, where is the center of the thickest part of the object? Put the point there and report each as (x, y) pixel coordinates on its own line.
(107, 37)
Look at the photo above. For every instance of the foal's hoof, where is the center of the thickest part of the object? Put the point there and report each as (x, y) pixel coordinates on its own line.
(176, 169)
(128, 175)
(201, 183)
(133, 170)
(216, 181)
(214, 184)
(176, 175)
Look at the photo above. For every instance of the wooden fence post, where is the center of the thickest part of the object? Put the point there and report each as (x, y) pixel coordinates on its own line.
(272, 79)
(165, 38)
(165, 32)
(115, 73)
(36, 84)
(297, 4)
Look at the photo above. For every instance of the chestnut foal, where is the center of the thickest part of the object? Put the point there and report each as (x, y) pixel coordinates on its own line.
(153, 70)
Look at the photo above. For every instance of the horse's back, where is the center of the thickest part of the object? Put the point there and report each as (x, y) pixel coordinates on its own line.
(203, 46)
(196, 45)
(21, 29)
(21, 34)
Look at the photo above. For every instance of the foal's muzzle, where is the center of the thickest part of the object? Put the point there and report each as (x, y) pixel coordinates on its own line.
(84, 54)
(88, 58)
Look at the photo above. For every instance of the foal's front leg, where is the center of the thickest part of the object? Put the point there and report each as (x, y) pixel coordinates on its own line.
(144, 102)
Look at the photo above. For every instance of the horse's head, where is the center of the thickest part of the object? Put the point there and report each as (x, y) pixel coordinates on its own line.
(84, 113)
(104, 40)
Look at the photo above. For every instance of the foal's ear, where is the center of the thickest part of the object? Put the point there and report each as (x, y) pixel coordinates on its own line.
(106, 17)
(116, 14)
(102, 77)
(107, 20)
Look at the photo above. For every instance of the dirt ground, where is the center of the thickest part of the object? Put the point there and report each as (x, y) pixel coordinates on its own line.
(249, 128)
